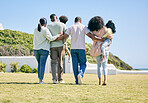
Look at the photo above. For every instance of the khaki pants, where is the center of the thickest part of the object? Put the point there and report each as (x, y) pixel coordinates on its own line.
(57, 58)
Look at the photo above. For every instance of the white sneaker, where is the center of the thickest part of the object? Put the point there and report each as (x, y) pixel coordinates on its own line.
(61, 81)
(54, 82)
(42, 82)
(79, 79)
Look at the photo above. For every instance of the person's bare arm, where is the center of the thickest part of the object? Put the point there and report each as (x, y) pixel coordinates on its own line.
(94, 37)
(68, 52)
(60, 37)
(65, 36)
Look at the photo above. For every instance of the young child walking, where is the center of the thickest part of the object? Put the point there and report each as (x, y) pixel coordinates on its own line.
(64, 19)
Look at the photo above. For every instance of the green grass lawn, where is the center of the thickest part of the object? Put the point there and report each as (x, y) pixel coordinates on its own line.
(22, 88)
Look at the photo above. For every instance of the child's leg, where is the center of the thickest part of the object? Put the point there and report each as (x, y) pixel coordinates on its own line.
(104, 45)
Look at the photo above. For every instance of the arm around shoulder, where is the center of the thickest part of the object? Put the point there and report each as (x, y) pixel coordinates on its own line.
(49, 36)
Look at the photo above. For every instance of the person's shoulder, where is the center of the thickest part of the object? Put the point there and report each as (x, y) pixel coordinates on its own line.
(83, 26)
(109, 30)
(50, 24)
(72, 26)
(60, 23)
(104, 29)
(44, 29)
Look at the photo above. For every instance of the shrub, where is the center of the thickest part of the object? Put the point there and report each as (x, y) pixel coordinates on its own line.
(2, 66)
(35, 70)
(26, 69)
(14, 67)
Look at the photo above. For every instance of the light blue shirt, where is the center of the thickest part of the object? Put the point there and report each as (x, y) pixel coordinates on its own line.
(56, 28)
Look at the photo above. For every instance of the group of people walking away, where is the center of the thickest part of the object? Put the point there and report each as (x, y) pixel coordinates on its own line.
(55, 35)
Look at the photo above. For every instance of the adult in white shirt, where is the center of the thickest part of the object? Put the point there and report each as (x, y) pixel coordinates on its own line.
(77, 32)
(42, 38)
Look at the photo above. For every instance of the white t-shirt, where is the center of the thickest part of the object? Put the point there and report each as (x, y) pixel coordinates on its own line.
(77, 32)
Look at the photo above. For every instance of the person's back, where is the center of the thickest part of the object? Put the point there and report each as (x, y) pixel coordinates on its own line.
(40, 41)
(56, 28)
(77, 32)
(78, 54)
(57, 49)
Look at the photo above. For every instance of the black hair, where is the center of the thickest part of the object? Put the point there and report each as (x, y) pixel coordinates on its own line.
(77, 19)
(63, 19)
(52, 17)
(111, 25)
(42, 22)
(95, 23)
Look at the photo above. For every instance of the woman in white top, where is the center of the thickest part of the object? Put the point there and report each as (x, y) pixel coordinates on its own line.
(42, 37)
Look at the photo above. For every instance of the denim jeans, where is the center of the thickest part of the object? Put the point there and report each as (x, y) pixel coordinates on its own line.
(41, 57)
(104, 45)
(78, 59)
(104, 64)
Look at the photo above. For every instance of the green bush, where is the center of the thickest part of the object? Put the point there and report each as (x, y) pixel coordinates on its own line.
(2, 66)
(35, 70)
(14, 67)
(26, 69)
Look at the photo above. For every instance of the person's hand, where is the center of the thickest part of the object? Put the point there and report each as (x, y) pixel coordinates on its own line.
(60, 34)
(110, 36)
(60, 37)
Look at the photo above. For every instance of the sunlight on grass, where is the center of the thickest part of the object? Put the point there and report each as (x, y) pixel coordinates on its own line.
(20, 88)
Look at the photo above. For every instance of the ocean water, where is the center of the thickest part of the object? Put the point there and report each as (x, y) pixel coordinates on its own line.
(141, 68)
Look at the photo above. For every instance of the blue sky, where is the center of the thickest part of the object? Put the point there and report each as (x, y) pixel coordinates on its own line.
(130, 16)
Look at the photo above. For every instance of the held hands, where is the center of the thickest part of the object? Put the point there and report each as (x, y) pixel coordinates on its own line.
(60, 37)
(61, 34)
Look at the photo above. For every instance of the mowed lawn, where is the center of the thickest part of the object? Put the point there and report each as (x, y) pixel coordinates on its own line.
(22, 88)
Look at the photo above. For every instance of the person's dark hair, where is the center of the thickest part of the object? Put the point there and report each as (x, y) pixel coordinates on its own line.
(63, 19)
(52, 17)
(77, 19)
(111, 25)
(42, 22)
(95, 23)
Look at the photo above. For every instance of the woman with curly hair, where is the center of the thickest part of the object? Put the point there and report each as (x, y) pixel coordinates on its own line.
(97, 28)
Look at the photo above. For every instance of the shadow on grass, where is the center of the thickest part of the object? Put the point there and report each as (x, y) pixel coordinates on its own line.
(74, 84)
(43, 84)
(17, 83)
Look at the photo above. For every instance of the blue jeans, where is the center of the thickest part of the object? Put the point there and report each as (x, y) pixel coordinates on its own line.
(104, 45)
(78, 58)
(104, 64)
(41, 57)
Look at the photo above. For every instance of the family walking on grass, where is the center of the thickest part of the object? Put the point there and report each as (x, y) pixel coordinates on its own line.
(56, 34)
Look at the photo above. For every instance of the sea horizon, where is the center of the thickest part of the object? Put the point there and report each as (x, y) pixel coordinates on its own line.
(140, 69)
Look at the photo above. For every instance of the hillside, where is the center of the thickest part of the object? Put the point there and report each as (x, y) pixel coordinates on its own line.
(16, 43)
